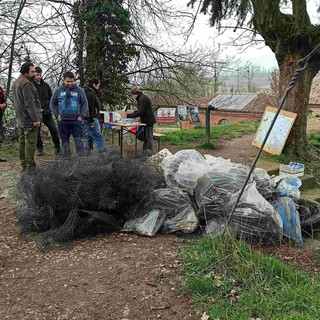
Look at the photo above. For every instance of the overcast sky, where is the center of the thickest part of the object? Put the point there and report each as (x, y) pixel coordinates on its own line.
(261, 55)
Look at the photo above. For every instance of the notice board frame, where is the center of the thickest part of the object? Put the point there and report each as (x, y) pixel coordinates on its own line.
(279, 133)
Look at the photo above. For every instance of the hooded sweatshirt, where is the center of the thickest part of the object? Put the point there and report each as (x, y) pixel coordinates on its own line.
(69, 103)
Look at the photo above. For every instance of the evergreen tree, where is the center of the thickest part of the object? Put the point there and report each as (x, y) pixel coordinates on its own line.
(102, 48)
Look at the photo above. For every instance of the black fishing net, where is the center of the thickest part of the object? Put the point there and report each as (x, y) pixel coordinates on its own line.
(309, 212)
(81, 196)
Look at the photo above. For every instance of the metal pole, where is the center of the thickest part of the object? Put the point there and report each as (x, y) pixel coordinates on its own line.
(208, 125)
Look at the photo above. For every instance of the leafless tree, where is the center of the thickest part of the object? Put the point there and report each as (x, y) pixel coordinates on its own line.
(34, 29)
(45, 31)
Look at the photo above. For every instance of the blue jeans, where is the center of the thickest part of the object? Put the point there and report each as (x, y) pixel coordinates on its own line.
(66, 128)
(94, 135)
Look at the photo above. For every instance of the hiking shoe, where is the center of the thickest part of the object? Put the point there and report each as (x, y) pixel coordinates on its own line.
(3, 160)
(40, 152)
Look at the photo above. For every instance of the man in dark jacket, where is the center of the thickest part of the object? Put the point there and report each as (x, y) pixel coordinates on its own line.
(69, 105)
(91, 121)
(146, 114)
(28, 113)
(45, 93)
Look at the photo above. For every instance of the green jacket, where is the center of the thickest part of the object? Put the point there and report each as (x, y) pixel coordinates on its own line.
(26, 101)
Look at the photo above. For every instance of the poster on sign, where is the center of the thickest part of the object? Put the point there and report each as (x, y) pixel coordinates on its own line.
(182, 113)
(166, 115)
(279, 133)
(194, 116)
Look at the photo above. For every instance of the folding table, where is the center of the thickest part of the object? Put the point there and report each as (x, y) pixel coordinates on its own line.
(124, 129)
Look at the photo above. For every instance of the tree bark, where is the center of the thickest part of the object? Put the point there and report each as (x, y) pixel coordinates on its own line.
(297, 145)
(290, 37)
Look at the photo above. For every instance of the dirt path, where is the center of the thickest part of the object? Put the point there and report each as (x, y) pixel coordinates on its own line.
(120, 277)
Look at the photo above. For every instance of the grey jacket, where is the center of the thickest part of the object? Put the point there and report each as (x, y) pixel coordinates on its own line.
(26, 101)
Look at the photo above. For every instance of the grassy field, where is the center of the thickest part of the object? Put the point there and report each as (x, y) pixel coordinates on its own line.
(196, 138)
(230, 280)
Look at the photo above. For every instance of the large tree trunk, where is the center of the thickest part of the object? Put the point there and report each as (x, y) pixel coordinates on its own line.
(297, 145)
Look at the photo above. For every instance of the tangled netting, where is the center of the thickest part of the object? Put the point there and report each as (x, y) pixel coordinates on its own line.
(76, 197)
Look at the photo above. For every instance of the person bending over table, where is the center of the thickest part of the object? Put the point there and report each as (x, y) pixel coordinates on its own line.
(146, 115)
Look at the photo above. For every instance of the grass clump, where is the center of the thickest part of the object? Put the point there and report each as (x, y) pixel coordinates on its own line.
(314, 139)
(195, 138)
(230, 280)
(9, 150)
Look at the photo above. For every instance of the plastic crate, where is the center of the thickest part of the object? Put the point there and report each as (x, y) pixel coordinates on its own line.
(294, 170)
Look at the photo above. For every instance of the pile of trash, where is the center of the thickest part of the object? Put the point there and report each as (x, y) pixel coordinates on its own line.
(72, 198)
(202, 191)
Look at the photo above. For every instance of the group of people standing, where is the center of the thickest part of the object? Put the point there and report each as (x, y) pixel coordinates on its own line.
(74, 109)
(71, 105)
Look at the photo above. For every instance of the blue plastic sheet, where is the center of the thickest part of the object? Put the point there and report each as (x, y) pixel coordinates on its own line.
(287, 209)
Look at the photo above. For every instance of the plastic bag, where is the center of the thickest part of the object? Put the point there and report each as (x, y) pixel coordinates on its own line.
(218, 163)
(264, 184)
(188, 174)
(288, 186)
(215, 227)
(287, 209)
(215, 189)
(254, 218)
(177, 168)
(180, 214)
(148, 225)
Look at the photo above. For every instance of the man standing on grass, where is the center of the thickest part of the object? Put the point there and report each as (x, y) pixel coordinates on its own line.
(45, 93)
(28, 113)
(69, 105)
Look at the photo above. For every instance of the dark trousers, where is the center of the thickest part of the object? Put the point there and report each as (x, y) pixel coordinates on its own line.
(148, 142)
(48, 121)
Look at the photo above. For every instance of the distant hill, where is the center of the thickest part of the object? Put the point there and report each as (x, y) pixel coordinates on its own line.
(258, 82)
